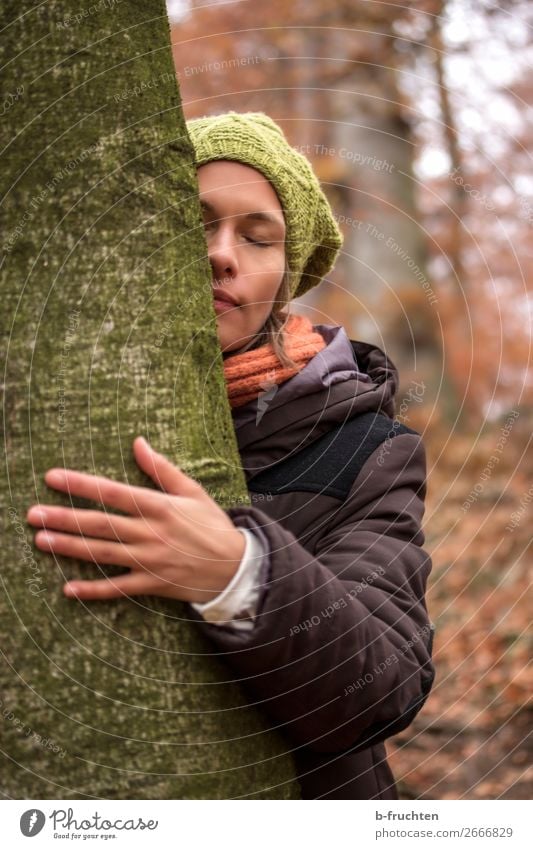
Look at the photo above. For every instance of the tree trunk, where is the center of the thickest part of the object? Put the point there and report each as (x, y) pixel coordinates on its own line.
(109, 333)
(389, 272)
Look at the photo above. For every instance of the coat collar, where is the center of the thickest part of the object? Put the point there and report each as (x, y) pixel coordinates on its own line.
(343, 380)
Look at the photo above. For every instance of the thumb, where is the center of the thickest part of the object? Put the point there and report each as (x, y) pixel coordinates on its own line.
(164, 473)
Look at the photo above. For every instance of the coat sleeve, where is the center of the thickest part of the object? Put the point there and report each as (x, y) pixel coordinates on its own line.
(340, 653)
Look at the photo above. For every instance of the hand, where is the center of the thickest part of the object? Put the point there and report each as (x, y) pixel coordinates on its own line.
(178, 543)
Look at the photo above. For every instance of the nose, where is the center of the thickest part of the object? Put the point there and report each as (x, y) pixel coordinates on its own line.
(221, 250)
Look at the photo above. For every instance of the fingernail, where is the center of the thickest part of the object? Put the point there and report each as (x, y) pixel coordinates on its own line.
(36, 513)
(70, 589)
(55, 476)
(45, 536)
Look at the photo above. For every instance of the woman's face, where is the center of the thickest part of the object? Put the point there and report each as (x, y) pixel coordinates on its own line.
(245, 231)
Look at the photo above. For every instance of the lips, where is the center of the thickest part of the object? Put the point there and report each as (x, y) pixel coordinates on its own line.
(223, 298)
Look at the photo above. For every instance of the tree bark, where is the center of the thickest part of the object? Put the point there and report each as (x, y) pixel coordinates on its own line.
(109, 332)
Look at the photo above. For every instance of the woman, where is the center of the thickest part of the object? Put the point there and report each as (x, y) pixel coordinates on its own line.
(315, 598)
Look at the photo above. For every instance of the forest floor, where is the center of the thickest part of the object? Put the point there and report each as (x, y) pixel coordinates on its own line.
(473, 737)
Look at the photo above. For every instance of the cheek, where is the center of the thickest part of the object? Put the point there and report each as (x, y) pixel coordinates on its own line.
(267, 281)
(264, 292)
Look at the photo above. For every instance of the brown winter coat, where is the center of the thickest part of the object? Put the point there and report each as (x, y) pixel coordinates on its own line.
(339, 657)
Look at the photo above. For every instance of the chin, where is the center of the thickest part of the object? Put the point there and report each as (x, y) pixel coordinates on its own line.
(227, 344)
(236, 346)
(231, 345)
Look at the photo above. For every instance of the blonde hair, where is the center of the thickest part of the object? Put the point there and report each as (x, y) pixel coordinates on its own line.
(273, 329)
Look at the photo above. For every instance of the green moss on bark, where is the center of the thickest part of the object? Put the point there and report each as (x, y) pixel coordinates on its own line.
(109, 332)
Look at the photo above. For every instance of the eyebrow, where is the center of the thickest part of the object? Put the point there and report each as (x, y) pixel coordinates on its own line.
(256, 216)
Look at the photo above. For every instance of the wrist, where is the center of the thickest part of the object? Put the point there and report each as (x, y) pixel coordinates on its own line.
(224, 571)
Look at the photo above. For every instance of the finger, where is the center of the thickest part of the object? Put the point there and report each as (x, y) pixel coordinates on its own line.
(85, 548)
(165, 474)
(106, 588)
(137, 500)
(94, 523)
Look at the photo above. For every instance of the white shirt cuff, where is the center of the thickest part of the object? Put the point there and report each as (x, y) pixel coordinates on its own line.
(236, 605)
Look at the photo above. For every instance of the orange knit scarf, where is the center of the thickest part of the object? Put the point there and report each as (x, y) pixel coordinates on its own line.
(252, 372)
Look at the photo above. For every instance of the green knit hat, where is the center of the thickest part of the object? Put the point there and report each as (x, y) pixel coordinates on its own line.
(313, 238)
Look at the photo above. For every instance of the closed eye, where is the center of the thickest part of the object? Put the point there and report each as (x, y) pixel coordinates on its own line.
(212, 224)
(258, 243)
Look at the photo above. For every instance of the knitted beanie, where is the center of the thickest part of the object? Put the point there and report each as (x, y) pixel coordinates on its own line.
(313, 239)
